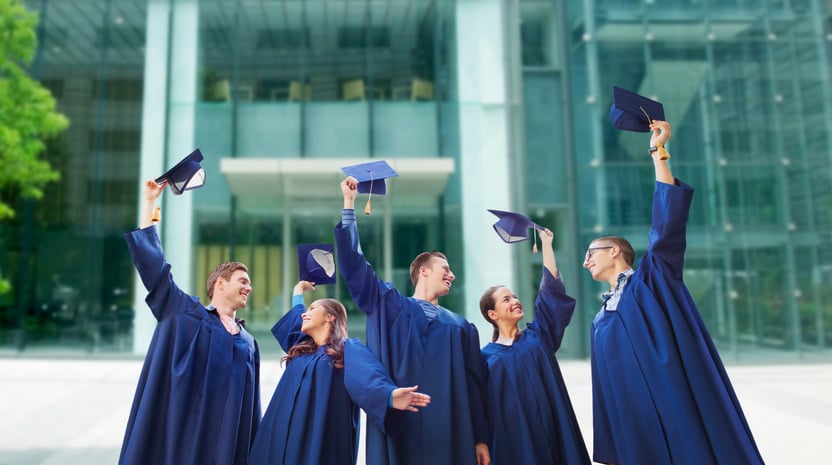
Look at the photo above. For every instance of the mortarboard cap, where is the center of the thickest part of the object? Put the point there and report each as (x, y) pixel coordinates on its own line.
(316, 263)
(513, 227)
(371, 176)
(633, 112)
(186, 175)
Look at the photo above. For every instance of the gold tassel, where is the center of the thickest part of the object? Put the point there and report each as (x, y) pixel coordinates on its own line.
(369, 196)
(534, 238)
(157, 215)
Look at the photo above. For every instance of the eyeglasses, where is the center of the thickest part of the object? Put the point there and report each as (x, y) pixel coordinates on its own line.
(592, 249)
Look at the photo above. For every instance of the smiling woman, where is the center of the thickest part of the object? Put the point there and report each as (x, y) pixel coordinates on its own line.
(311, 405)
(531, 416)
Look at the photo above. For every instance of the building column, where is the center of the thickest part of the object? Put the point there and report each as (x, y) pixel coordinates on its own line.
(485, 149)
(170, 84)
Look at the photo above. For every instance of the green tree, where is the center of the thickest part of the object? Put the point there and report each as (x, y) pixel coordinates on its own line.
(27, 113)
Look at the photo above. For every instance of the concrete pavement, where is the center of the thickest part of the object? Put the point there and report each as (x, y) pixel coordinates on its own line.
(74, 411)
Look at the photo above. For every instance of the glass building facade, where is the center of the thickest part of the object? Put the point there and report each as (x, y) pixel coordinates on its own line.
(477, 104)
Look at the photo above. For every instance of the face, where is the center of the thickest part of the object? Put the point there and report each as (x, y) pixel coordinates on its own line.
(598, 260)
(316, 319)
(439, 276)
(506, 306)
(237, 288)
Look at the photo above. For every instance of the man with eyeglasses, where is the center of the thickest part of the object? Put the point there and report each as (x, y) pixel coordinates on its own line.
(660, 392)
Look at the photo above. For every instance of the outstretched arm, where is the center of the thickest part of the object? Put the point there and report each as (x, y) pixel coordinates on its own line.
(406, 398)
(150, 193)
(370, 386)
(660, 137)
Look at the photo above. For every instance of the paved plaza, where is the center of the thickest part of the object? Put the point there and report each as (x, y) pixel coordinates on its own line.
(73, 411)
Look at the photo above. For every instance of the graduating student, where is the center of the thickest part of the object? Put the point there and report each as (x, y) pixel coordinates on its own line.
(198, 398)
(530, 415)
(660, 392)
(311, 420)
(420, 343)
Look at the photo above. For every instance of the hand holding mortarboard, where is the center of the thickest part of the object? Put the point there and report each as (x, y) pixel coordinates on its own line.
(514, 227)
(371, 179)
(186, 175)
(150, 192)
(349, 188)
(633, 112)
(303, 286)
(661, 133)
(316, 263)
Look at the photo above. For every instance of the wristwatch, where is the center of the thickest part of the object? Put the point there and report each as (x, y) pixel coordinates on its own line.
(663, 155)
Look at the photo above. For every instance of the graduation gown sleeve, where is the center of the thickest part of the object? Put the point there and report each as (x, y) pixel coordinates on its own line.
(370, 386)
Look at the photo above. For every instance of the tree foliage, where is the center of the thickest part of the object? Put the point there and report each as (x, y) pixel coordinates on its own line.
(27, 112)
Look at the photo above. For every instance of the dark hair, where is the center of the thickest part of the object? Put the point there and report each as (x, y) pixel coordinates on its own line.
(623, 245)
(334, 343)
(422, 260)
(486, 304)
(224, 271)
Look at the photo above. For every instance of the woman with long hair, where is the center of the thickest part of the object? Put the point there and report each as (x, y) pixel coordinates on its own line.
(311, 418)
(531, 416)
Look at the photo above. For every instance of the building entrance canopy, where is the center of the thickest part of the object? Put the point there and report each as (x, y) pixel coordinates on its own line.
(267, 185)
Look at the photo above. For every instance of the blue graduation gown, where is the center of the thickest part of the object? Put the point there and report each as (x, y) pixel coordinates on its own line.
(660, 392)
(311, 418)
(198, 397)
(441, 355)
(530, 415)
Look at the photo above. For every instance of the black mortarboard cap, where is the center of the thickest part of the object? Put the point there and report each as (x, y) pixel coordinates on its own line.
(316, 263)
(633, 112)
(513, 227)
(186, 175)
(371, 176)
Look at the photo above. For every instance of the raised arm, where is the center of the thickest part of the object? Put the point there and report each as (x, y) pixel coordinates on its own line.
(287, 329)
(164, 296)
(349, 189)
(546, 237)
(660, 138)
(150, 193)
(671, 208)
(368, 291)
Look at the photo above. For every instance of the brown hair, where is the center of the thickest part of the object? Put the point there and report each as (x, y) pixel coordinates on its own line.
(224, 271)
(334, 343)
(422, 260)
(623, 245)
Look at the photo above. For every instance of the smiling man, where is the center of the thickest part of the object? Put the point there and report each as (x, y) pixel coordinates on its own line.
(198, 397)
(420, 343)
(660, 393)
